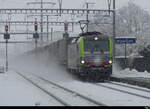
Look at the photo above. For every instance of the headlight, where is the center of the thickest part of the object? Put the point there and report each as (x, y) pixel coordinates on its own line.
(96, 38)
(82, 61)
(110, 62)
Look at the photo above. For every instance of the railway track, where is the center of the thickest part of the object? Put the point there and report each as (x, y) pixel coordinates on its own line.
(109, 85)
(45, 91)
(65, 96)
(123, 85)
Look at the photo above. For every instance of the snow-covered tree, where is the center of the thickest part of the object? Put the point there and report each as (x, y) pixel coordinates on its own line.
(131, 21)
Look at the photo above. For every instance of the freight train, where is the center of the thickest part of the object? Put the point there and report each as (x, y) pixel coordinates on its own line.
(88, 56)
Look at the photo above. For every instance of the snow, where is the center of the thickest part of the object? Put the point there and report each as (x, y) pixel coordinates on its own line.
(13, 86)
(41, 64)
(15, 91)
(69, 97)
(147, 94)
(106, 96)
(46, 67)
(132, 73)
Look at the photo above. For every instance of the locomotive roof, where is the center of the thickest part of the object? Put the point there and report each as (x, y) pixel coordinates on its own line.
(90, 33)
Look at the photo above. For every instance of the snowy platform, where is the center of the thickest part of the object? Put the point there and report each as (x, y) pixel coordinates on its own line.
(15, 91)
(132, 77)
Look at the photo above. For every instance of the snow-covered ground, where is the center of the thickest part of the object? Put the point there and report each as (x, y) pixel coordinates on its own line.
(107, 96)
(15, 91)
(129, 73)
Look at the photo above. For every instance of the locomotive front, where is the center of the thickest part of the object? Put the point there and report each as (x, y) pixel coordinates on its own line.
(96, 56)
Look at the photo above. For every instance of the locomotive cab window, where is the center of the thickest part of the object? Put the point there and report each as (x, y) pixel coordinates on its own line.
(96, 46)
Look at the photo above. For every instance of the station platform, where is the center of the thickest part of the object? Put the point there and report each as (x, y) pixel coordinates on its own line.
(132, 77)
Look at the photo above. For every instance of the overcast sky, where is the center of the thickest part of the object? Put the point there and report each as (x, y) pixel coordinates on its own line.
(145, 4)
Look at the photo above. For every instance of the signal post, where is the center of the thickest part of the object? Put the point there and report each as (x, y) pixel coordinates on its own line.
(6, 37)
(36, 35)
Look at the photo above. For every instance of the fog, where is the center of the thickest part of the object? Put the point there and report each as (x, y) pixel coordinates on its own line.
(41, 64)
